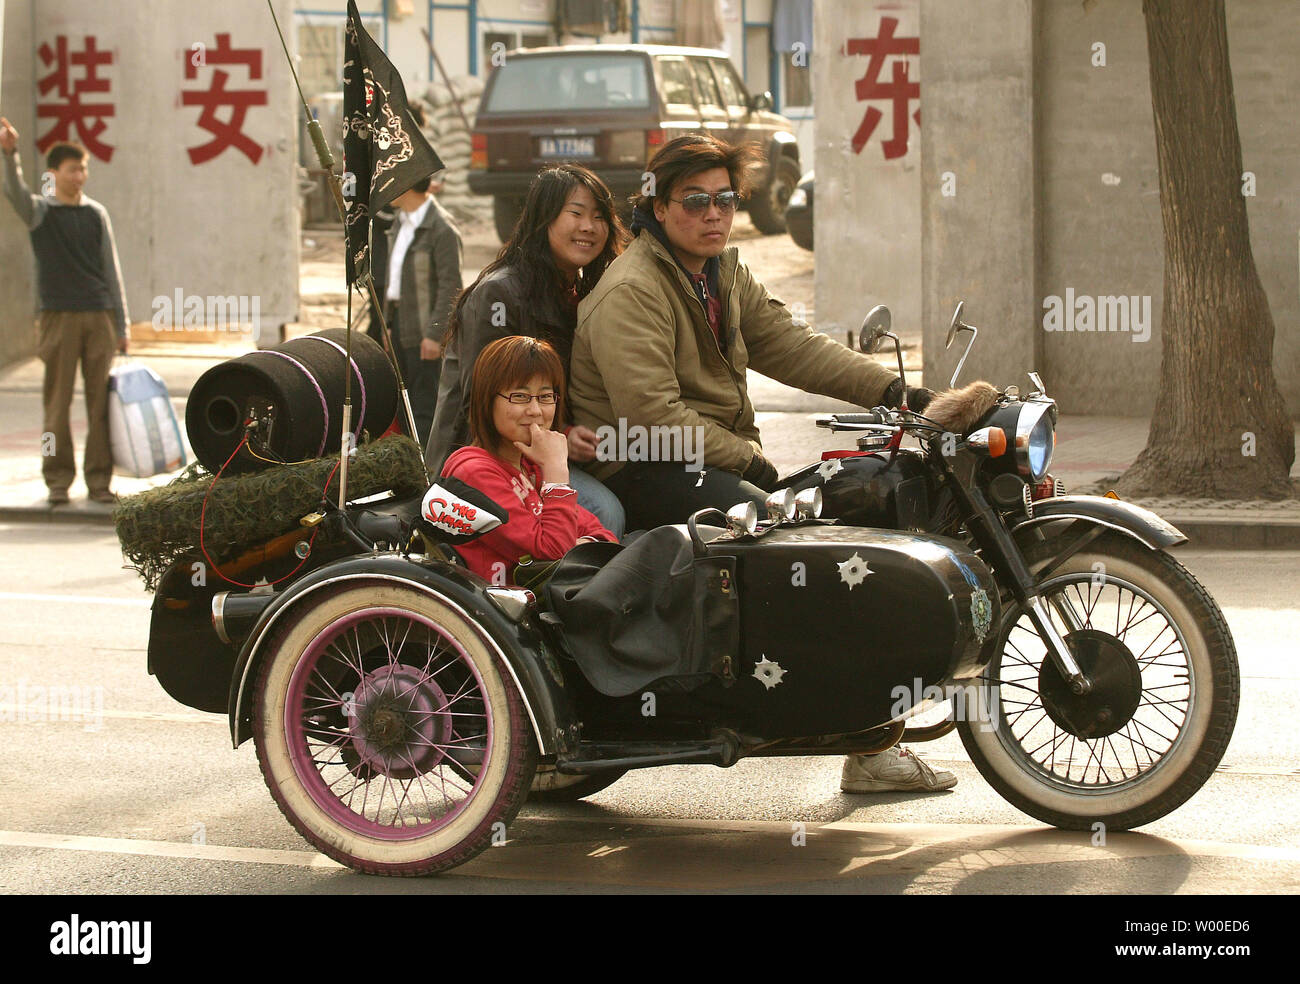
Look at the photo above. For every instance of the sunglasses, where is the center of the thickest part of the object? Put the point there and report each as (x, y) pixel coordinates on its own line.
(698, 202)
(523, 399)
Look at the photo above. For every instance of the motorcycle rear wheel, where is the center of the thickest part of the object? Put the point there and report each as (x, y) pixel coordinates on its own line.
(372, 706)
(1143, 617)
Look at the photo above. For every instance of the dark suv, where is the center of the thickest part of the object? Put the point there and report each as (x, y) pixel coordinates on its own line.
(610, 107)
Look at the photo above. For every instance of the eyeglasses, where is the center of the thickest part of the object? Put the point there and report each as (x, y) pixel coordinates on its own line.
(523, 399)
(698, 203)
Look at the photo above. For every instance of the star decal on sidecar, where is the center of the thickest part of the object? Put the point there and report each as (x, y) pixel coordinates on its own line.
(768, 673)
(854, 571)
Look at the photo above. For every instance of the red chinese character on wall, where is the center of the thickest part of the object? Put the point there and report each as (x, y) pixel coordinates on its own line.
(899, 92)
(230, 132)
(70, 111)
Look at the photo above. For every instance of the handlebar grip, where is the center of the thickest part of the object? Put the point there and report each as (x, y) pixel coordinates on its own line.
(868, 417)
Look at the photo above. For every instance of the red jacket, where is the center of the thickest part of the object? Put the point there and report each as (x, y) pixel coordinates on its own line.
(544, 523)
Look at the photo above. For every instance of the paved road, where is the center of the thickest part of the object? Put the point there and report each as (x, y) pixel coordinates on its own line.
(135, 793)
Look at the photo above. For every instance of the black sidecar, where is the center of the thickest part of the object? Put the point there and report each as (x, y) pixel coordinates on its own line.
(401, 706)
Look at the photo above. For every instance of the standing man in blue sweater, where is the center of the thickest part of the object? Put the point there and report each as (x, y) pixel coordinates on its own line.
(83, 309)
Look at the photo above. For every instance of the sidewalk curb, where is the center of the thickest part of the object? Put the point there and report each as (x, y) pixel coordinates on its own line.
(1259, 534)
(1202, 532)
(51, 514)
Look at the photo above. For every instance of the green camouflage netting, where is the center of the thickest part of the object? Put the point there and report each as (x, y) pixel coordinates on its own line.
(160, 526)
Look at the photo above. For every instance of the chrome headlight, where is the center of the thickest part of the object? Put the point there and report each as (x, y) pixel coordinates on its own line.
(1035, 439)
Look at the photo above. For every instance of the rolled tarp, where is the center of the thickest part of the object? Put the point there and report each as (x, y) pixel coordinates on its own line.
(295, 392)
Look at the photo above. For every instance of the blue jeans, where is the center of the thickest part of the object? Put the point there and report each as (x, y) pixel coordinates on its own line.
(595, 498)
(660, 493)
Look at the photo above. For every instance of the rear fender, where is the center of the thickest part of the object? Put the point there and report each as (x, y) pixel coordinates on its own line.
(531, 665)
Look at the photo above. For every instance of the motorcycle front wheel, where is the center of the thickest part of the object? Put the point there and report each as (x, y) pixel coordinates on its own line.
(1163, 706)
(388, 733)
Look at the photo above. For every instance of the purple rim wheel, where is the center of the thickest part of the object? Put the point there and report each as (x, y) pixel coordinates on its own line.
(388, 724)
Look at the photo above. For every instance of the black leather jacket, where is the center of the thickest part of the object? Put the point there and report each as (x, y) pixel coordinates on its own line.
(494, 309)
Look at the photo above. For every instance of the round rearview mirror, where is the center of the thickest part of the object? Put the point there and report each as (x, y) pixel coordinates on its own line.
(954, 325)
(874, 327)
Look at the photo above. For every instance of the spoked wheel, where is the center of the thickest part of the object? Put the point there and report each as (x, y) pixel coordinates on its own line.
(388, 733)
(1161, 711)
(550, 786)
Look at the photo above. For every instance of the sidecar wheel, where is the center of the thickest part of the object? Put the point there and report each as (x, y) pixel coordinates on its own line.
(550, 786)
(1164, 705)
(372, 708)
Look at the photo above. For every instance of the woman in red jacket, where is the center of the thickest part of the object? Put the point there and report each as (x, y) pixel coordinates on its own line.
(518, 460)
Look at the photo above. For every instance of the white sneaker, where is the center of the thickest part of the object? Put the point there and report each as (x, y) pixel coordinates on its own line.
(895, 770)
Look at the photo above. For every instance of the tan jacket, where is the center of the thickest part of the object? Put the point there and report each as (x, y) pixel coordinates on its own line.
(644, 352)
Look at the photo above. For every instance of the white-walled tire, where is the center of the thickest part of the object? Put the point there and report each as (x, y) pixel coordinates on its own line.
(364, 702)
(1122, 596)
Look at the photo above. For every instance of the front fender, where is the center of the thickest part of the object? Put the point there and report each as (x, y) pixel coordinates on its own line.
(782, 144)
(1123, 517)
(534, 669)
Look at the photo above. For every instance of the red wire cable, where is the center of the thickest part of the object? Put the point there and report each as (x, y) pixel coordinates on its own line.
(203, 512)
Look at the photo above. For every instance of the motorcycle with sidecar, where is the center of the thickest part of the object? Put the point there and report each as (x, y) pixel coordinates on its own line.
(403, 709)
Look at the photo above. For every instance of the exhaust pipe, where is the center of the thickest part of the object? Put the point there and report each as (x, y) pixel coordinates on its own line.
(234, 615)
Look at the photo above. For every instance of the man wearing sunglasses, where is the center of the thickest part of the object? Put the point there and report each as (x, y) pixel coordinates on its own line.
(664, 341)
(665, 338)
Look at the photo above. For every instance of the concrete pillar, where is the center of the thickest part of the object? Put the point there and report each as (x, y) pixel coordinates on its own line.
(867, 196)
(978, 187)
(17, 268)
(192, 218)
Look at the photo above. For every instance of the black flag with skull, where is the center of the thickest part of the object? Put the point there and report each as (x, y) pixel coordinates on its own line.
(384, 152)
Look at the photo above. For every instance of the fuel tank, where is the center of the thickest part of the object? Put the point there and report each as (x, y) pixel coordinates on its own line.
(844, 628)
(867, 489)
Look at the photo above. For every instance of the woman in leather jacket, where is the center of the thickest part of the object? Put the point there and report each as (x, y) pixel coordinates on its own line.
(566, 236)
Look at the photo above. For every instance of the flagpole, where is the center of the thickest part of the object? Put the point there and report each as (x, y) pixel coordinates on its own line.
(326, 160)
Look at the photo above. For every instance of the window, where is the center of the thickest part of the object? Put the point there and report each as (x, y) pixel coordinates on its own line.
(758, 58)
(797, 84)
(510, 40)
(320, 52)
(490, 41)
(320, 66)
(731, 88)
(707, 88)
(675, 77)
(558, 83)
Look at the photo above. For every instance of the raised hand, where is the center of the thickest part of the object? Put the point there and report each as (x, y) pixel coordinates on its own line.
(582, 443)
(8, 136)
(550, 450)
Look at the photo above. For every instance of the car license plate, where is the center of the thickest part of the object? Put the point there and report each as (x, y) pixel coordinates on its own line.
(568, 146)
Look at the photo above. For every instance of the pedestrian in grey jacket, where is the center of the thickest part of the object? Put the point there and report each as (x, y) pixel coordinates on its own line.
(82, 305)
(421, 280)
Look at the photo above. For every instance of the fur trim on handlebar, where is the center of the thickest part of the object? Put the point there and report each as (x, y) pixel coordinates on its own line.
(958, 410)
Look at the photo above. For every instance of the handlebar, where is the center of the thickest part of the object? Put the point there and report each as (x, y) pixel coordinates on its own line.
(878, 419)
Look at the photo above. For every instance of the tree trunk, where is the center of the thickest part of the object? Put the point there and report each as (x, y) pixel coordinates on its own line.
(1219, 428)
